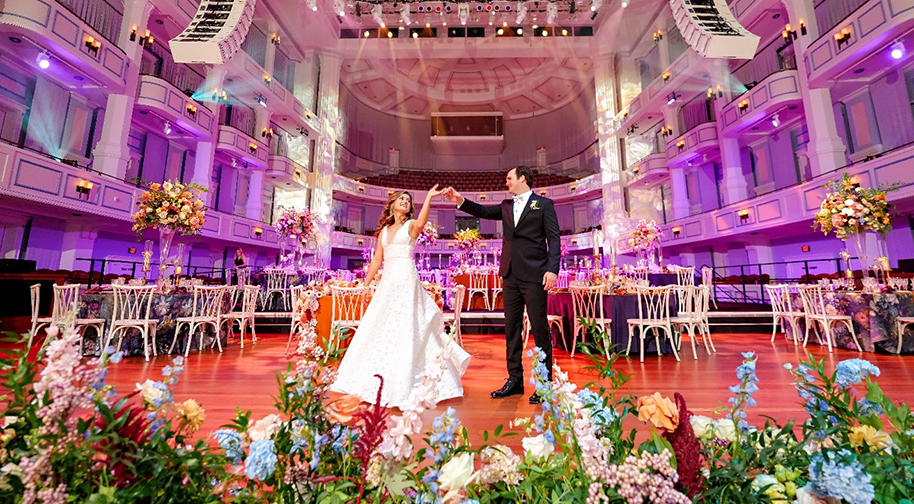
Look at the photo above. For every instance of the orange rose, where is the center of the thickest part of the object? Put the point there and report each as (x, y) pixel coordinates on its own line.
(659, 410)
(344, 410)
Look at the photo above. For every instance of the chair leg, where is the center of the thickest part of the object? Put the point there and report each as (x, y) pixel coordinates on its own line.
(826, 326)
(774, 327)
(669, 333)
(809, 322)
(253, 331)
(899, 328)
(628, 348)
(145, 332)
(174, 339)
(692, 338)
(291, 335)
(850, 328)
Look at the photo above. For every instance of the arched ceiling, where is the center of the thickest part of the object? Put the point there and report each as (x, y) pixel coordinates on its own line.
(517, 87)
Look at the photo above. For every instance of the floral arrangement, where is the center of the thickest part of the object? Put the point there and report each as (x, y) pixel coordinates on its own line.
(645, 236)
(366, 254)
(297, 225)
(564, 249)
(171, 205)
(467, 239)
(69, 437)
(428, 236)
(850, 209)
(436, 291)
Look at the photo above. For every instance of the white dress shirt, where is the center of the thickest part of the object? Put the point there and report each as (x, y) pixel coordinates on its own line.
(520, 200)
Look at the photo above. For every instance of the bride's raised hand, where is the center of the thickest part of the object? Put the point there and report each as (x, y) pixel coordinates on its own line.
(434, 191)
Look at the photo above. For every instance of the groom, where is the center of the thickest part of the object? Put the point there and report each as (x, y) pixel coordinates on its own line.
(529, 266)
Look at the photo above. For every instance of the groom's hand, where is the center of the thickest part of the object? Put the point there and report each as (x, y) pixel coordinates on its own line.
(452, 195)
(549, 279)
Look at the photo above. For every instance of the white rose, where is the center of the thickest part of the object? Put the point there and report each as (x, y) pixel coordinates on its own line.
(703, 427)
(725, 429)
(848, 202)
(456, 474)
(805, 496)
(539, 447)
(149, 392)
(265, 427)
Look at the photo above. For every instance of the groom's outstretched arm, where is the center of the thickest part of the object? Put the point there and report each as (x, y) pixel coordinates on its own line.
(553, 240)
(492, 212)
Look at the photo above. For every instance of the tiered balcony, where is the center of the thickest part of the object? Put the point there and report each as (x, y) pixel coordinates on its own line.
(684, 73)
(243, 146)
(774, 94)
(649, 170)
(692, 144)
(792, 205)
(32, 26)
(40, 181)
(163, 99)
(283, 170)
(871, 27)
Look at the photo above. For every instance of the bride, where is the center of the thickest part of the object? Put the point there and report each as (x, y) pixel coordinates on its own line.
(402, 329)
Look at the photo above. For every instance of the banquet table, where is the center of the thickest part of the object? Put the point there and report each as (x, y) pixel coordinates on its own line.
(873, 317)
(165, 308)
(661, 279)
(477, 303)
(619, 309)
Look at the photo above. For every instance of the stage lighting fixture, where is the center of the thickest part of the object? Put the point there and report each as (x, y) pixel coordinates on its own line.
(262, 101)
(624, 4)
(377, 13)
(43, 60)
(552, 11)
(671, 99)
(312, 4)
(521, 12)
(775, 120)
(167, 128)
(898, 50)
(339, 7)
(463, 12)
(596, 5)
(404, 15)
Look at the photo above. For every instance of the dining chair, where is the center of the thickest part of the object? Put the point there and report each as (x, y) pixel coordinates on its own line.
(653, 314)
(132, 309)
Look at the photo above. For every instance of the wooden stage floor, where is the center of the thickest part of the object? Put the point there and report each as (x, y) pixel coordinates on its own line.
(247, 379)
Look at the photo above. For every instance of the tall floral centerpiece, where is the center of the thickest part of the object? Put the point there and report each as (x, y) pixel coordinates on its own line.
(467, 242)
(645, 241)
(172, 207)
(849, 211)
(427, 238)
(296, 226)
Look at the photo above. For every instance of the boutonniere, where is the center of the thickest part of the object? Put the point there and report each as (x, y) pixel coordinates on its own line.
(534, 205)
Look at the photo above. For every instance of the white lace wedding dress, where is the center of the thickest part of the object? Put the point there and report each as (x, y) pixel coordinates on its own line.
(401, 331)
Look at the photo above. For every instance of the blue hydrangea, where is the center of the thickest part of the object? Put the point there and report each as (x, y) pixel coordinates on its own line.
(261, 461)
(230, 442)
(842, 476)
(600, 415)
(742, 393)
(853, 371)
(431, 479)
(114, 356)
(443, 435)
(868, 408)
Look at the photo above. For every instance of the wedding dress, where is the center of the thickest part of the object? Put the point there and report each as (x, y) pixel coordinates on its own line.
(401, 332)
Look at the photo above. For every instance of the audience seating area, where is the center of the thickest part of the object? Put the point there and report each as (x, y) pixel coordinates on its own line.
(462, 180)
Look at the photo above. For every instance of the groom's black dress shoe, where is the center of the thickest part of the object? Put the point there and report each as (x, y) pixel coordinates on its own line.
(535, 398)
(510, 388)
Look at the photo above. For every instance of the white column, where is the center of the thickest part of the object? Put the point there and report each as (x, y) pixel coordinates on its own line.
(254, 207)
(78, 243)
(735, 188)
(610, 157)
(206, 149)
(261, 120)
(826, 149)
(328, 112)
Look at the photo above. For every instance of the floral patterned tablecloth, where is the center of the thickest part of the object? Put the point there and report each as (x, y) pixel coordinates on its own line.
(873, 317)
(165, 307)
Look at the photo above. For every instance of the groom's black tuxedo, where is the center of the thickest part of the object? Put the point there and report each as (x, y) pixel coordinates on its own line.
(529, 250)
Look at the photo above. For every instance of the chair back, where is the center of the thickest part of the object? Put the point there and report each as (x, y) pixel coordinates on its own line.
(587, 302)
(347, 303)
(249, 300)
(561, 282)
(685, 276)
(132, 302)
(707, 276)
(498, 281)
(296, 293)
(653, 302)
(685, 299)
(701, 302)
(209, 300)
(813, 298)
(780, 298)
(639, 273)
(427, 276)
(479, 280)
(35, 298)
(277, 280)
(66, 301)
(243, 277)
(460, 293)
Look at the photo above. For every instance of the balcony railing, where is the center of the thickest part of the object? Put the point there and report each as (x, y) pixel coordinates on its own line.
(830, 12)
(238, 116)
(158, 62)
(774, 57)
(99, 14)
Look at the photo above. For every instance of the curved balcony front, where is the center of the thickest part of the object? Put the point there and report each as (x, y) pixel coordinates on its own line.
(283, 170)
(684, 73)
(33, 26)
(649, 170)
(692, 144)
(872, 26)
(163, 99)
(776, 92)
(237, 143)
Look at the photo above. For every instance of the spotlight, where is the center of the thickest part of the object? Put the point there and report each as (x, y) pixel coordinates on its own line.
(312, 4)
(596, 5)
(897, 50)
(404, 15)
(501, 31)
(552, 10)
(167, 128)
(624, 4)
(520, 31)
(377, 13)
(775, 120)
(262, 101)
(671, 99)
(521, 12)
(463, 12)
(43, 60)
(339, 7)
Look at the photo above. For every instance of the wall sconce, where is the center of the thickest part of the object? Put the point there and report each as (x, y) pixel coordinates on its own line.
(574, 241)
(483, 245)
(542, 193)
(192, 110)
(658, 36)
(258, 231)
(133, 33)
(92, 45)
(390, 193)
(635, 170)
(267, 79)
(573, 188)
(676, 231)
(666, 131)
(253, 147)
(482, 197)
(450, 245)
(788, 33)
(298, 173)
(361, 188)
(743, 215)
(267, 133)
(743, 106)
(145, 41)
(802, 23)
(276, 39)
(83, 188)
(220, 97)
(666, 76)
(680, 145)
(360, 241)
(624, 114)
(843, 37)
(712, 95)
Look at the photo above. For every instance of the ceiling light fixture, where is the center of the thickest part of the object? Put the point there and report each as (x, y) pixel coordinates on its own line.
(596, 5)
(775, 120)
(44, 60)
(339, 7)
(167, 128)
(898, 50)
(312, 4)
(624, 4)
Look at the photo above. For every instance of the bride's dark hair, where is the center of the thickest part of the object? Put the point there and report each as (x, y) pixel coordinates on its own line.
(387, 214)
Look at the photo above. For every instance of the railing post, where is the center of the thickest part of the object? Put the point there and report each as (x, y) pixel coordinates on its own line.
(101, 275)
(806, 266)
(742, 279)
(91, 271)
(133, 269)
